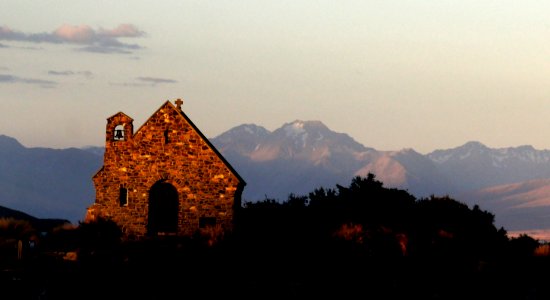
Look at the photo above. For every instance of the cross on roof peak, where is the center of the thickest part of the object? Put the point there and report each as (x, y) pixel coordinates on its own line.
(179, 102)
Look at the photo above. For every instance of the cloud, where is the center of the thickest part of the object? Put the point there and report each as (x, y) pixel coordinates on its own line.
(82, 34)
(133, 84)
(154, 80)
(14, 79)
(102, 49)
(146, 81)
(86, 74)
(61, 73)
(98, 41)
(7, 78)
(123, 30)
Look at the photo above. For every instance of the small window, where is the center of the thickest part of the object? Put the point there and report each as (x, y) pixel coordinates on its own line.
(207, 222)
(123, 196)
(166, 137)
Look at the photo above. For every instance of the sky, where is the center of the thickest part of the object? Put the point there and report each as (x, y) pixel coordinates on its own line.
(419, 74)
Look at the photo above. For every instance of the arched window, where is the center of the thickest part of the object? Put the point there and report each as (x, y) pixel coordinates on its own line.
(119, 133)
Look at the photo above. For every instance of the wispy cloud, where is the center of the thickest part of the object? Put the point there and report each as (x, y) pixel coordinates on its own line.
(102, 49)
(146, 81)
(86, 74)
(154, 80)
(98, 41)
(14, 79)
(20, 47)
(132, 84)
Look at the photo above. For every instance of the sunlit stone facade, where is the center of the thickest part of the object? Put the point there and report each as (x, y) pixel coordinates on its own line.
(164, 179)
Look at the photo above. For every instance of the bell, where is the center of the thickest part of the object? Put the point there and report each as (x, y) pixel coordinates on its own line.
(118, 134)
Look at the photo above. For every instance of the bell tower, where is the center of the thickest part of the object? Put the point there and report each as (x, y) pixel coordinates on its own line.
(120, 128)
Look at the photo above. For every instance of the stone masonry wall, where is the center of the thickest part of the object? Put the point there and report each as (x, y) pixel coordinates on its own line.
(166, 148)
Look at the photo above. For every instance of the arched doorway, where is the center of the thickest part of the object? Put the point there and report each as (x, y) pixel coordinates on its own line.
(163, 209)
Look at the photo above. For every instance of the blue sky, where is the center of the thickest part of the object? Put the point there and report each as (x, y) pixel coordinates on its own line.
(417, 74)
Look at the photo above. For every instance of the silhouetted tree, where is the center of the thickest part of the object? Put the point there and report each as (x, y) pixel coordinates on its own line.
(448, 227)
(523, 246)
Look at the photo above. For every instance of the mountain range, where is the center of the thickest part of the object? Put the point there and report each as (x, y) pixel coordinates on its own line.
(47, 183)
(300, 156)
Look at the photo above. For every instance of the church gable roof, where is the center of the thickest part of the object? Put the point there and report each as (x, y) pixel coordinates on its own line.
(179, 112)
(120, 114)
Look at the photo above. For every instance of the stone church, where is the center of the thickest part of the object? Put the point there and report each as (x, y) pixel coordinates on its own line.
(166, 178)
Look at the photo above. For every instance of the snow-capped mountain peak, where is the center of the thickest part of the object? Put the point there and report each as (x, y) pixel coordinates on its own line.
(499, 157)
(296, 131)
(241, 139)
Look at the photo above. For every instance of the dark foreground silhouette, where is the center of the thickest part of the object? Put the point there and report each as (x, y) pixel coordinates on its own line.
(362, 241)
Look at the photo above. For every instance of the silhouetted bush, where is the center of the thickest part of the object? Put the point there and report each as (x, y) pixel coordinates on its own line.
(14, 238)
(99, 241)
(15, 229)
(361, 240)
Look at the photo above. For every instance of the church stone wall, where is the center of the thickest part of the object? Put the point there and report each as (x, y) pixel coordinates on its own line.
(166, 148)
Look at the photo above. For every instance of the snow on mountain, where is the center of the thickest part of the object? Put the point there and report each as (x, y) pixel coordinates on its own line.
(476, 166)
(295, 158)
(295, 129)
(500, 157)
(307, 140)
(242, 139)
(303, 155)
(463, 152)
